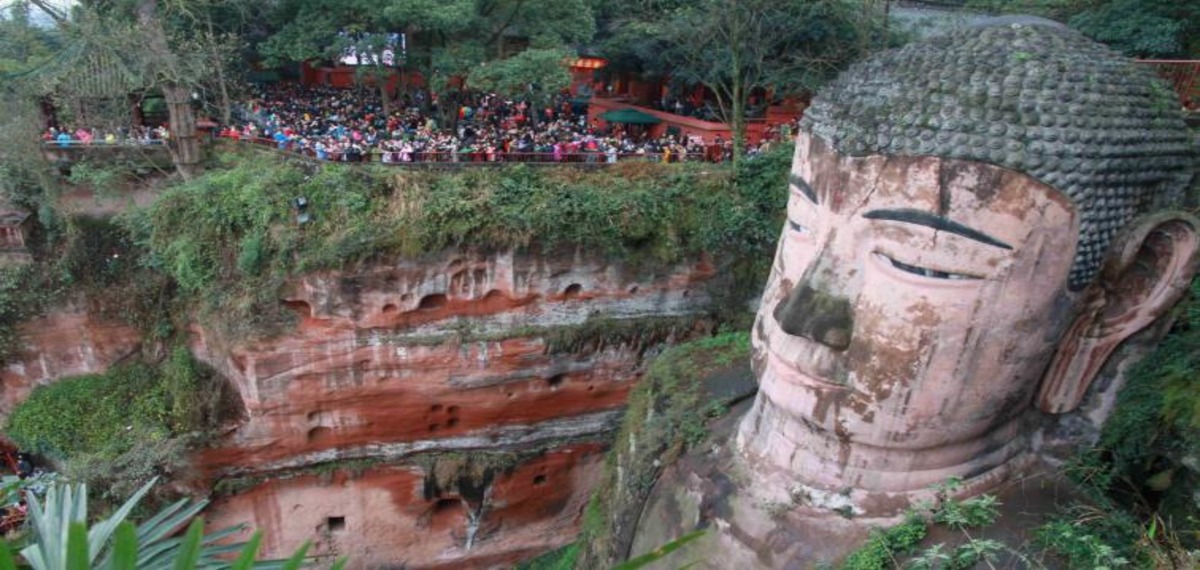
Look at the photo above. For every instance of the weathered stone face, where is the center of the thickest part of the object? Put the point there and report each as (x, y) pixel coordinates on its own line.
(907, 319)
(975, 223)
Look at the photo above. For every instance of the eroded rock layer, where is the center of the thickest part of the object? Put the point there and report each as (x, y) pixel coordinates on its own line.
(67, 341)
(446, 412)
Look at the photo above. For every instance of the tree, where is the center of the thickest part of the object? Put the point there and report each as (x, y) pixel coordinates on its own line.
(1137, 28)
(171, 75)
(112, 50)
(533, 74)
(734, 47)
(26, 179)
(450, 43)
(630, 33)
(1144, 28)
(22, 44)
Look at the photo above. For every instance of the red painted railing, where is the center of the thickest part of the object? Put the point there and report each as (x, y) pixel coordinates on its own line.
(471, 157)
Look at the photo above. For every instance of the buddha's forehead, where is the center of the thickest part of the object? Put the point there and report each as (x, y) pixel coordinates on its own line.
(998, 199)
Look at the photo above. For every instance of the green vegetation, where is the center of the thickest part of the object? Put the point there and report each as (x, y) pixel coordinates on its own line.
(19, 300)
(890, 547)
(737, 48)
(1079, 547)
(885, 545)
(230, 239)
(446, 41)
(558, 559)
(1165, 29)
(222, 245)
(1141, 476)
(667, 413)
(565, 558)
(658, 553)
(119, 429)
(597, 333)
(88, 260)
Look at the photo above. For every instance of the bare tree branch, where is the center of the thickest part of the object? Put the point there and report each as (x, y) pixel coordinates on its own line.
(58, 17)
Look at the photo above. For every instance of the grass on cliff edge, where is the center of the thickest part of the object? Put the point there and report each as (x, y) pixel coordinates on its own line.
(230, 238)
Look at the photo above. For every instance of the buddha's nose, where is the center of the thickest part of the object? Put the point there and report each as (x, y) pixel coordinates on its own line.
(816, 315)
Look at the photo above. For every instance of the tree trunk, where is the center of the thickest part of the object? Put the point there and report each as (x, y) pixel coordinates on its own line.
(738, 105)
(219, 66)
(448, 105)
(184, 145)
(739, 124)
(385, 95)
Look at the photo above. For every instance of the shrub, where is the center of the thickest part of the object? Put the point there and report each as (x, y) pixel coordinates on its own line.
(884, 545)
(1077, 545)
(91, 414)
(119, 429)
(976, 511)
(21, 296)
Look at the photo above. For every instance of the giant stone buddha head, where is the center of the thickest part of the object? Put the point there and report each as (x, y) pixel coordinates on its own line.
(974, 223)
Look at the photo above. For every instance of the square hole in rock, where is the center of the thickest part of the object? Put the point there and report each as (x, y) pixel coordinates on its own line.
(336, 523)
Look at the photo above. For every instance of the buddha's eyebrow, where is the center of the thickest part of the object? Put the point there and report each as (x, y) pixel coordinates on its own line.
(936, 222)
(803, 187)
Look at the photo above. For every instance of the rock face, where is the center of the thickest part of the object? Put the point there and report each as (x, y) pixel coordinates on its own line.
(941, 294)
(935, 295)
(445, 412)
(65, 342)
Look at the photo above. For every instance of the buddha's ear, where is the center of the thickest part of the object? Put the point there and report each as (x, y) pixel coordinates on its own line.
(1147, 271)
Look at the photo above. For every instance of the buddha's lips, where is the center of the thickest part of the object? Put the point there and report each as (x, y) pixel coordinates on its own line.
(776, 365)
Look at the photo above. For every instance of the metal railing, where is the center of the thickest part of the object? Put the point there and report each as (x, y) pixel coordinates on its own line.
(121, 143)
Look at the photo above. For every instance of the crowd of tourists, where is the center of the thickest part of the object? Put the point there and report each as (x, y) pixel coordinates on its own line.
(141, 135)
(351, 125)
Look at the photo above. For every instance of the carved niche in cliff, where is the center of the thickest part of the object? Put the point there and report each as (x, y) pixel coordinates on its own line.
(975, 222)
(14, 225)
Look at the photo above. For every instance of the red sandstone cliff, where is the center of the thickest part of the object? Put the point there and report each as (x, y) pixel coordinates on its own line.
(66, 342)
(444, 413)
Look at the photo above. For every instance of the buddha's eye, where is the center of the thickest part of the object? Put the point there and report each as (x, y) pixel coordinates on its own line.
(926, 272)
(797, 227)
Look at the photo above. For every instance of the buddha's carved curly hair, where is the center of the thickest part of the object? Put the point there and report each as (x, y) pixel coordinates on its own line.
(1038, 99)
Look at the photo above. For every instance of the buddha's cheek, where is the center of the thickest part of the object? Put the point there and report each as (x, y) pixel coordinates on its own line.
(903, 366)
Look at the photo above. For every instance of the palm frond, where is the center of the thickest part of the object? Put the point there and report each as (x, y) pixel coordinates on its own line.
(63, 541)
